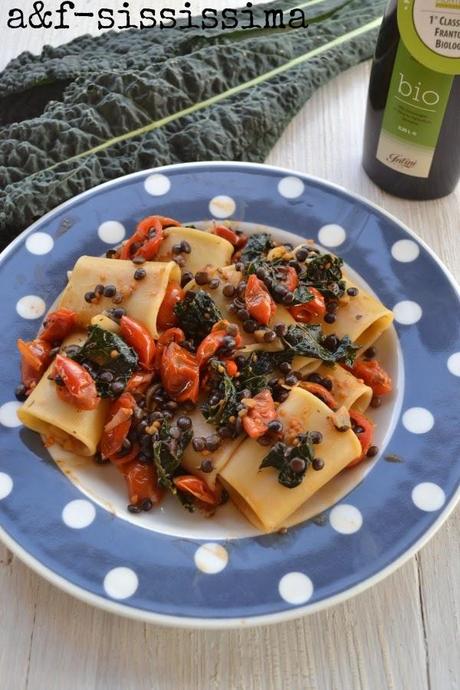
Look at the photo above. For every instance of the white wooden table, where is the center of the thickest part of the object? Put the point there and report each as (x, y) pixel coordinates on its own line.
(401, 635)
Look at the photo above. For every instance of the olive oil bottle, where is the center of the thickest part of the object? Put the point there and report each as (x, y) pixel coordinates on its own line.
(412, 133)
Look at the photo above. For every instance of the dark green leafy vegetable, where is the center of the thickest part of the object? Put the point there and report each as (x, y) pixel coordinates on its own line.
(197, 314)
(308, 340)
(98, 354)
(281, 456)
(222, 402)
(255, 250)
(302, 295)
(324, 272)
(167, 454)
(100, 107)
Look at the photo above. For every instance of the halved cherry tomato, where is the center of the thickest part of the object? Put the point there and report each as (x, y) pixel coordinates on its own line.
(365, 436)
(196, 487)
(142, 482)
(226, 234)
(321, 392)
(166, 317)
(117, 425)
(258, 300)
(58, 325)
(180, 373)
(212, 342)
(139, 381)
(289, 277)
(147, 239)
(373, 375)
(35, 358)
(314, 309)
(78, 387)
(260, 414)
(140, 339)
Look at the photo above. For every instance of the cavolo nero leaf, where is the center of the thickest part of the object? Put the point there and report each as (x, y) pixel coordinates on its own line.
(222, 402)
(104, 351)
(307, 340)
(102, 107)
(167, 454)
(281, 455)
(197, 314)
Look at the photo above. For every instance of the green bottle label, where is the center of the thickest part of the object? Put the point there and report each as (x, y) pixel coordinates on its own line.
(426, 61)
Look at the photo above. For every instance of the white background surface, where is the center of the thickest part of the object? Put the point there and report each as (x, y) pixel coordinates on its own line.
(401, 635)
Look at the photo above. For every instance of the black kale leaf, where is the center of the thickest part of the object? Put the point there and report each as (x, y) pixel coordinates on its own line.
(167, 454)
(308, 340)
(324, 272)
(281, 456)
(256, 249)
(105, 351)
(222, 401)
(197, 314)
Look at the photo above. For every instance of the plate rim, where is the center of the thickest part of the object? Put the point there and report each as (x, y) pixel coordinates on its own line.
(190, 622)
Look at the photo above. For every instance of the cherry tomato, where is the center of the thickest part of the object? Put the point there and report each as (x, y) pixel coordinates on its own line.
(373, 375)
(166, 317)
(58, 325)
(260, 414)
(35, 357)
(172, 335)
(120, 460)
(78, 387)
(196, 487)
(140, 339)
(147, 239)
(321, 392)
(139, 382)
(180, 373)
(142, 482)
(365, 436)
(289, 278)
(212, 342)
(312, 310)
(117, 425)
(226, 234)
(258, 300)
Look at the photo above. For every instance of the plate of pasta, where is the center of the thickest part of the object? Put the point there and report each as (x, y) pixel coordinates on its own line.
(224, 391)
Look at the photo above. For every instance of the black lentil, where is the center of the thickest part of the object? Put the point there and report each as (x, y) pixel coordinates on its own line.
(117, 387)
(199, 444)
(213, 442)
(179, 260)
(372, 452)
(20, 392)
(140, 273)
(331, 343)
(118, 313)
(201, 278)
(239, 266)
(370, 353)
(329, 317)
(176, 248)
(147, 504)
(138, 260)
(99, 289)
(118, 299)
(214, 283)
(207, 465)
(352, 291)
(110, 291)
(185, 247)
(318, 464)
(376, 402)
(302, 253)
(184, 423)
(297, 465)
(269, 336)
(134, 508)
(90, 296)
(275, 426)
(291, 379)
(285, 367)
(314, 378)
(186, 278)
(229, 290)
(280, 329)
(327, 383)
(316, 437)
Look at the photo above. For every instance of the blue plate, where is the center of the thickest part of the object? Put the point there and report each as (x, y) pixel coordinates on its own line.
(161, 573)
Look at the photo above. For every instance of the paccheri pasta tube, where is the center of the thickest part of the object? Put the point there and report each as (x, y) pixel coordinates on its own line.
(140, 298)
(205, 249)
(258, 493)
(57, 421)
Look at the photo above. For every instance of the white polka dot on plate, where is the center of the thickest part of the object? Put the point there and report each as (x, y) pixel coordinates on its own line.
(405, 251)
(291, 187)
(211, 558)
(30, 307)
(453, 364)
(345, 519)
(295, 588)
(407, 312)
(222, 206)
(418, 420)
(428, 496)
(157, 185)
(8, 414)
(121, 583)
(111, 231)
(78, 514)
(6, 485)
(39, 243)
(332, 235)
